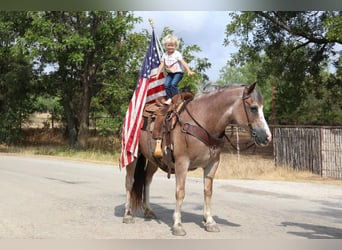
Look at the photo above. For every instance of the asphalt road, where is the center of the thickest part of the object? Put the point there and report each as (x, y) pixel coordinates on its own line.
(46, 198)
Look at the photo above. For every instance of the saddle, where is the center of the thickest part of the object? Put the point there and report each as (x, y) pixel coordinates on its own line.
(159, 120)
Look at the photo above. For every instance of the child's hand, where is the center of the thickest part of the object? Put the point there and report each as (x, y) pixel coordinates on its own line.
(191, 73)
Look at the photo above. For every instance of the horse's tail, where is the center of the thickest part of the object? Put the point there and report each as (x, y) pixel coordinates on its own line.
(139, 182)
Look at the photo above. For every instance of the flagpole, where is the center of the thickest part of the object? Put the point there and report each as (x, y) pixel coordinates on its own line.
(151, 22)
(159, 45)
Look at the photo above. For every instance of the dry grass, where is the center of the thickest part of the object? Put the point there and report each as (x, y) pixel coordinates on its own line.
(91, 155)
(259, 167)
(256, 167)
(52, 143)
(255, 163)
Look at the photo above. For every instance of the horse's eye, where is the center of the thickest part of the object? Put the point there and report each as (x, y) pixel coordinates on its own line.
(254, 109)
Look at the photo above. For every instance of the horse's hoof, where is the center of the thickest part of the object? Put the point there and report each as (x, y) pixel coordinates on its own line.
(128, 219)
(148, 214)
(212, 227)
(178, 230)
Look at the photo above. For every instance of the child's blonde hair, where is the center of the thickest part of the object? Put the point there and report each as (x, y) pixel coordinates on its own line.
(170, 38)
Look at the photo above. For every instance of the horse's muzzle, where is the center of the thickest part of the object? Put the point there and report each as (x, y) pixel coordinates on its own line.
(261, 137)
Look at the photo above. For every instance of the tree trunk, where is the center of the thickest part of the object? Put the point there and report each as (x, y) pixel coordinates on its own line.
(71, 123)
(82, 140)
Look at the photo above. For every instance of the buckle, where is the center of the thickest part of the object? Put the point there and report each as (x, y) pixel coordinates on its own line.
(185, 127)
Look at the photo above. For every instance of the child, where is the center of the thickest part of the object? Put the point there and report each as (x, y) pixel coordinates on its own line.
(175, 64)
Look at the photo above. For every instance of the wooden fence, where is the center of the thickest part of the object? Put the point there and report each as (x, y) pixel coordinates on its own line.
(317, 149)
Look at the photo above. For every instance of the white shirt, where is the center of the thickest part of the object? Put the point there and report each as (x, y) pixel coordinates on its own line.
(173, 60)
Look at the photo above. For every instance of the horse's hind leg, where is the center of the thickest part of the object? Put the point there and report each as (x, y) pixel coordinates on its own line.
(209, 173)
(128, 216)
(150, 170)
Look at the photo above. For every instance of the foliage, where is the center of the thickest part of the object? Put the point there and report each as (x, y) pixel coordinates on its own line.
(247, 74)
(301, 50)
(76, 65)
(17, 85)
(50, 104)
(85, 50)
(114, 98)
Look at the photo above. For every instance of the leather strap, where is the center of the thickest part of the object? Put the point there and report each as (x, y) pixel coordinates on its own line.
(202, 135)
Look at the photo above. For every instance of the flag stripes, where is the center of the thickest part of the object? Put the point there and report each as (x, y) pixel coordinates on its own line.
(147, 90)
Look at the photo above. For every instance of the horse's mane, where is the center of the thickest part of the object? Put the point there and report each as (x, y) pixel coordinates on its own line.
(214, 88)
(208, 88)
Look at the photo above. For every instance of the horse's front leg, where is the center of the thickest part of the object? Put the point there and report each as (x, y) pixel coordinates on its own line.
(128, 216)
(209, 173)
(150, 170)
(180, 173)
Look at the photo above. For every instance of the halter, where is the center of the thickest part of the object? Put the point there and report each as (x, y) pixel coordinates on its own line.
(244, 98)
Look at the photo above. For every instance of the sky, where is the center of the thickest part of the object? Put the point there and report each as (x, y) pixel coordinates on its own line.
(203, 28)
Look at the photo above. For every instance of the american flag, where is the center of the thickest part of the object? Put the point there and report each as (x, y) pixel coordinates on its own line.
(147, 90)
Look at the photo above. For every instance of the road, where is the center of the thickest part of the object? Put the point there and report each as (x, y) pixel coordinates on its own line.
(47, 198)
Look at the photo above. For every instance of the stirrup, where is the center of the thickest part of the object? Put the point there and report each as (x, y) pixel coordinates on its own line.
(158, 150)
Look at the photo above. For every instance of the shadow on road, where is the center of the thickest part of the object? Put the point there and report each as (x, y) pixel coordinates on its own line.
(314, 231)
(164, 215)
(331, 209)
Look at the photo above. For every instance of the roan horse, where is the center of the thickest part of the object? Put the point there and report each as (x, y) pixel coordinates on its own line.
(209, 112)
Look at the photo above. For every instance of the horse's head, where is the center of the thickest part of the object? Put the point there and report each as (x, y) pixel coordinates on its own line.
(251, 116)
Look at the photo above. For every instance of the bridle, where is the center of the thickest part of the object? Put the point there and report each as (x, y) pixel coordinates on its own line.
(251, 130)
(244, 98)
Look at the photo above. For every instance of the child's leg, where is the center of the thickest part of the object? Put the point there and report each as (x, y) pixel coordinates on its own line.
(167, 85)
(174, 82)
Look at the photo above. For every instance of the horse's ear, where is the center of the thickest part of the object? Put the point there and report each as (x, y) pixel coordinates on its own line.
(251, 88)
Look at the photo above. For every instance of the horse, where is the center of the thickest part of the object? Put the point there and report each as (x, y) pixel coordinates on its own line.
(196, 140)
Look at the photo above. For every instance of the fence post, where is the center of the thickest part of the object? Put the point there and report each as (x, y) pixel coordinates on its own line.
(237, 143)
(321, 142)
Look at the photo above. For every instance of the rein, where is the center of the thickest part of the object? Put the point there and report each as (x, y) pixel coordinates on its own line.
(236, 148)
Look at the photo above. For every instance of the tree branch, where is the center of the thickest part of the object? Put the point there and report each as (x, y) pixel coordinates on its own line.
(277, 21)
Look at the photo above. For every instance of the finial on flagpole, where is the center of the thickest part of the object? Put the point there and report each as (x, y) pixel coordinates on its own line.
(151, 22)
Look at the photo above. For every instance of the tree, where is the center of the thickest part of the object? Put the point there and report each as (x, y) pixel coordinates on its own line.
(17, 85)
(82, 48)
(113, 100)
(301, 46)
(50, 104)
(249, 73)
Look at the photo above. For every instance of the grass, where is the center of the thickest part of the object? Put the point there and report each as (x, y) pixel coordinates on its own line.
(91, 155)
(259, 167)
(256, 163)
(51, 143)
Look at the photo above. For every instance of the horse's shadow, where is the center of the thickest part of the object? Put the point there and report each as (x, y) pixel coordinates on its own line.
(164, 215)
(313, 231)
